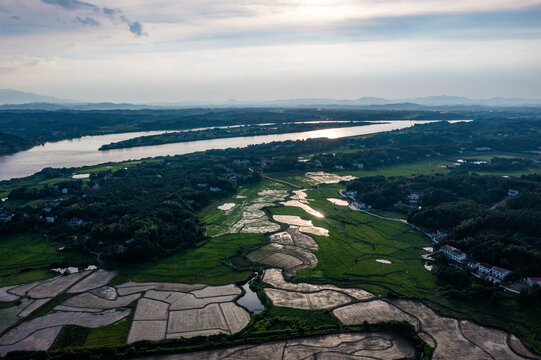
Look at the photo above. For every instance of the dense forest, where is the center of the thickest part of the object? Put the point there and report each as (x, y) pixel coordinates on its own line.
(483, 220)
(133, 214)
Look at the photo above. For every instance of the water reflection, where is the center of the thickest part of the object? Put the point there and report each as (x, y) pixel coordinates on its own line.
(84, 151)
(250, 300)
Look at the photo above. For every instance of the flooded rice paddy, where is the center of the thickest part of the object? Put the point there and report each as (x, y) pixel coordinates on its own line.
(339, 202)
(226, 206)
(305, 226)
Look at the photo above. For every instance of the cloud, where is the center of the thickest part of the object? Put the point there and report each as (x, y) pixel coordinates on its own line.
(87, 21)
(135, 27)
(21, 63)
(70, 4)
(110, 12)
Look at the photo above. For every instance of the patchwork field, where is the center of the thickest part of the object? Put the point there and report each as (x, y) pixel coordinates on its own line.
(451, 338)
(290, 250)
(162, 310)
(340, 346)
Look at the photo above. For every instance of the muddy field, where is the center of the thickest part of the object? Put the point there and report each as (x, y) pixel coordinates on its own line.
(373, 312)
(254, 219)
(164, 310)
(339, 202)
(451, 338)
(321, 177)
(340, 346)
(304, 226)
(299, 199)
(174, 314)
(290, 250)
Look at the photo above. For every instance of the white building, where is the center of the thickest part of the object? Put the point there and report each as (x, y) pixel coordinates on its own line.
(533, 281)
(453, 253)
(485, 269)
(500, 273)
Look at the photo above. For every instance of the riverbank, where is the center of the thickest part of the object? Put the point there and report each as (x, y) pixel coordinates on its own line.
(230, 132)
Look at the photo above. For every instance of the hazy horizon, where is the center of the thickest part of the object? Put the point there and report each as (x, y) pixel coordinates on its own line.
(170, 51)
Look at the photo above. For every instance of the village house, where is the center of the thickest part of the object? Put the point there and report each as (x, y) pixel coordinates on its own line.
(453, 253)
(215, 189)
(339, 167)
(50, 219)
(533, 281)
(438, 236)
(485, 269)
(414, 199)
(358, 165)
(474, 265)
(65, 191)
(500, 273)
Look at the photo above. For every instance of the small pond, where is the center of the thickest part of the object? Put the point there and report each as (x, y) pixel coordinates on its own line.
(250, 300)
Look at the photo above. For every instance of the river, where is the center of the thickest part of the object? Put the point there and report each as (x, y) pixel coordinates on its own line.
(84, 151)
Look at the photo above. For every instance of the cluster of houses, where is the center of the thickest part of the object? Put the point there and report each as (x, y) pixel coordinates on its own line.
(493, 273)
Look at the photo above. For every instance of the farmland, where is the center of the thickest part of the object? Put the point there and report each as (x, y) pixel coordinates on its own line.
(347, 256)
(204, 264)
(28, 257)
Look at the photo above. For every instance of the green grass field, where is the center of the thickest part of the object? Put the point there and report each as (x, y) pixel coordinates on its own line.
(25, 258)
(201, 265)
(347, 257)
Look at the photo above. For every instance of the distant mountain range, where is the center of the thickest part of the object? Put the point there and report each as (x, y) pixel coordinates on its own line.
(13, 100)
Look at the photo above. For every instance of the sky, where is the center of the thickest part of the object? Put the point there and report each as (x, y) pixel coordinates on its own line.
(144, 51)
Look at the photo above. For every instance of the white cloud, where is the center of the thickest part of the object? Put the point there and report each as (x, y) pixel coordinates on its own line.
(210, 49)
